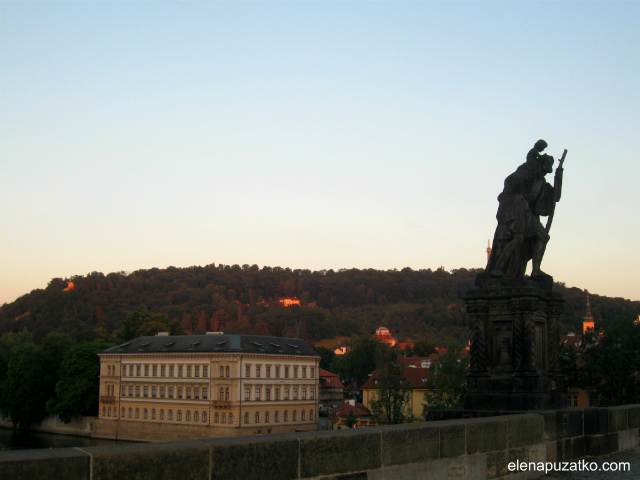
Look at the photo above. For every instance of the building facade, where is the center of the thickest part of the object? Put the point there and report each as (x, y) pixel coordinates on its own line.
(199, 386)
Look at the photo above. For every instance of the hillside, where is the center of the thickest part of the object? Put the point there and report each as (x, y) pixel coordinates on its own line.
(414, 304)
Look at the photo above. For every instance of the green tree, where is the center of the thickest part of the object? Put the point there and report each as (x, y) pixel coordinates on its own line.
(56, 344)
(393, 395)
(78, 387)
(350, 419)
(447, 382)
(362, 358)
(326, 357)
(140, 322)
(28, 384)
(610, 363)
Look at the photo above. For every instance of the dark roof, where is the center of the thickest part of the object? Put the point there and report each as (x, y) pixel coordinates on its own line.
(215, 344)
(342, 410)
(416, 379)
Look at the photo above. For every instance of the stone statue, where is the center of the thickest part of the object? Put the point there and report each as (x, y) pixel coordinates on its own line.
(526, 197)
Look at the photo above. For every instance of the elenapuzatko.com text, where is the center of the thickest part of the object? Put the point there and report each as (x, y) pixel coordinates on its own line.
(577, 466)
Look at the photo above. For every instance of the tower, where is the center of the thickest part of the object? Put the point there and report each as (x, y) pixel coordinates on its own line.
(588, 322)
(488, 250)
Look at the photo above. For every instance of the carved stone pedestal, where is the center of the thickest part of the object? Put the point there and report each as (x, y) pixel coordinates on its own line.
(514, 345)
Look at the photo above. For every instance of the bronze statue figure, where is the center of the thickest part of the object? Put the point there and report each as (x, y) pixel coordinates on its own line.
(520, 236)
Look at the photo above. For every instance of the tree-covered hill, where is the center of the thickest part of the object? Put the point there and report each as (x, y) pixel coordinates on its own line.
(412, 303)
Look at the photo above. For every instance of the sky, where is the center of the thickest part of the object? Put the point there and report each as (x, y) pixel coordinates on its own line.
(312, 134)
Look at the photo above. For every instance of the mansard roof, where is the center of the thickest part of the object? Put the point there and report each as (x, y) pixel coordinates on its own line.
(220, 343)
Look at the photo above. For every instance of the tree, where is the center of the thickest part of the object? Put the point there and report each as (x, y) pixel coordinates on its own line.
(78, 387)
(361, 359)
(326, 357)
(29, 382)
(56, 344)
(141, 322)
(610, 363)
(447, 382)
(393, 395)
(350, 419)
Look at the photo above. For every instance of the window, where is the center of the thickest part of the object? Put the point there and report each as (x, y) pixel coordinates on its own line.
(196, 370)
(268, 394)
(231, 418)
(246, 418)
(188, 370)
(162, 391)
(302, 415)
(170, 414)
(153, 414)
(188, 416)
(304, 394)
(227, 395)
(104, 411)
(286, 394)
(188, 392)
(247, 371)
(205, 371)
(268, 372)
(222, 394)
(286, 416)
(138, 391)
(266, 417)
(257, 371)
(154, 392)
(222, 371)
(310, 414)
(294, 415)
(204, 416)
(179, 415)
(161, 414)
(124, 391)
(124, 370)
(146, 392)
(224, 417)
(137, 413)
(313, 372)
(179, 370)
(179, 392)
(295, 372)
(311, 393)
(138, 370)
(277, 372)
(216, 418)
(170, 392)
(196, 393)
(196, 416)
(275, 416)
(171, 370)
(145, 413)
(123, 412)
(257, 419)
(277, 394)
(227, 370)
(163, 371)
(130, 412)
(146, 370)
(257, 394)
(204, 393)
(247, 394)
(155, 370)
(130, 391)
(304, 372)
(295, 393)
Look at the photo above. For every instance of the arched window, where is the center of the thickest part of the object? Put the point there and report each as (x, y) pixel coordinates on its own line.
(227, 396)
(153, 414)
(231, 418)
(302, 415)
(310, 414)
(170, 414)
(104, 411)
(216, 418)
(228, 371)
(257, 420)
(224, 417)
(266, 417)
(286, 416)
(179, 415)
(123, 412)
(145, 413)
(161, 414)
(130, 412)
(246, 418)
(196, 416)
(204, 416)
(137, 413)
(276, 416)
(222, 371)
(294, 415)
(222, 394)
(188, 416)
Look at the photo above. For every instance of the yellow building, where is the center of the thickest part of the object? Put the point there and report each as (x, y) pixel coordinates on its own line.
(198, 386)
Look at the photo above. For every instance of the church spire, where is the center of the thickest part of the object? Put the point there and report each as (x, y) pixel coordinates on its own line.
(588, 323)
(488, 250)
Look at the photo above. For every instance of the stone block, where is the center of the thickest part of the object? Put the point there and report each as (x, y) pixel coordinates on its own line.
(339, 452)
(497, 463)
(269, 457)
(452, 439)
(554, 425)
(575, 423)
(45, 464)
(410, 444)
(571, 448)
(617, 419)
(524, 430)
(598, 445)
(486, 435)
(627, 440)
(633, 416)
(186, 460)
(596, 421)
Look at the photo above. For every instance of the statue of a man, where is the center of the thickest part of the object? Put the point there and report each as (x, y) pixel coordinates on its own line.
(520, 236)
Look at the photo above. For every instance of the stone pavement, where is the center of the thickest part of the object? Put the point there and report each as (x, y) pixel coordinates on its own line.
(632, 457)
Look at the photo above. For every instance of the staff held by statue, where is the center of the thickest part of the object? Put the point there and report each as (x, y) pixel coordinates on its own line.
(557, 187)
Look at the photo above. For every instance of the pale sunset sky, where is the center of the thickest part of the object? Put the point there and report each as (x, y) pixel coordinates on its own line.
(312, 134)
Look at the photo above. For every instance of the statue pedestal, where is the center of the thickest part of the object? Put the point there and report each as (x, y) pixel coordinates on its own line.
(514, 345)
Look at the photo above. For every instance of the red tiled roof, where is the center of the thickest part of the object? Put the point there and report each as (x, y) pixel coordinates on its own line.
(342, 410)
(416, 378)
(329, 380)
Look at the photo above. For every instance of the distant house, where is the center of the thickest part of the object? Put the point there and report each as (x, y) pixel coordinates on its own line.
(338, 415)
(288, 301)
(384, 335)
(331, 390)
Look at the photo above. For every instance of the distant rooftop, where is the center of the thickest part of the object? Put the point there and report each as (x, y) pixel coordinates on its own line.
(223, 343)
